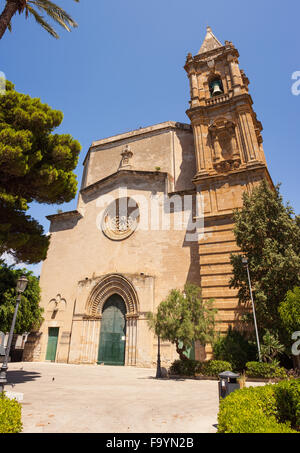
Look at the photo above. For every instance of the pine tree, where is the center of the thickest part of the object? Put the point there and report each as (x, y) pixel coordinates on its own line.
(35, 165)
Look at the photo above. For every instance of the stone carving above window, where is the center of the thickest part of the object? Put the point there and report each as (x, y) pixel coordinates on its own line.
(226, 156)
(56, 305)
(120, 219)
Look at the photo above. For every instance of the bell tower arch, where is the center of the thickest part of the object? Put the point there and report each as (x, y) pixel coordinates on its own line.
(229, 159)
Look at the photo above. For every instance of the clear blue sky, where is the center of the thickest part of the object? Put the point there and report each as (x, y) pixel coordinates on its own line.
(122, 69)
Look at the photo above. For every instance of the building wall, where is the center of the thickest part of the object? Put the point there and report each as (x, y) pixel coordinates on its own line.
(215, 159)
(169, 146)
(154, 260)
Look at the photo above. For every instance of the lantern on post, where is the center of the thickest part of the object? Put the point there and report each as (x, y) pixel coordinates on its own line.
(21, 286)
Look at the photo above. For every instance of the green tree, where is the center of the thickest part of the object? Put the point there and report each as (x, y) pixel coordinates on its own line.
(184, 318)
(35, 8)
(289, 311)
(268, 233)
(35, 165)
(29, 313)
(236, 348)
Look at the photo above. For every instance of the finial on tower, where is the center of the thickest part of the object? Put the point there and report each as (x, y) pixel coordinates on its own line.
(210, 42)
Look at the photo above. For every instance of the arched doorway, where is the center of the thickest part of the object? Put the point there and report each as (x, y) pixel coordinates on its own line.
(106, 287)
(113, 332)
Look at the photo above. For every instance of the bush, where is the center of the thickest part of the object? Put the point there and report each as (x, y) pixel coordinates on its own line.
(10, 415)
(212, 368)
(260, 410)
(287, 395)
(185, 367)
(234, 348)
(265, 370)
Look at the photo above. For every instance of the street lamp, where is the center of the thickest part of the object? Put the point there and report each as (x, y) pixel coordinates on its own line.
(21, 286)
(245, 264)
(158, 365)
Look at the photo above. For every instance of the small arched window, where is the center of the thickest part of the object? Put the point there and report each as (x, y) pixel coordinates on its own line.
(216, 87)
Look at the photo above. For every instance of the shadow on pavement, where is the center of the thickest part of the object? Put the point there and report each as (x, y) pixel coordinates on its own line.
(163, 379)
(21, 376)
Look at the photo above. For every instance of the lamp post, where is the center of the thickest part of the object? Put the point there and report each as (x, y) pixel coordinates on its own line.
(245, 264)
(21, 286)
(158, 366)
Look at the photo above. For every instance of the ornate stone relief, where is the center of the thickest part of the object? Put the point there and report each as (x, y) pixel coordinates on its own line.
(226, 156)
(126, 156)
(57, 304)
(109, 285)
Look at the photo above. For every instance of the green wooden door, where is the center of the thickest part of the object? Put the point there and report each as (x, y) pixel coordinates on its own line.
(52, 343)
(113, 332)
(190, 353)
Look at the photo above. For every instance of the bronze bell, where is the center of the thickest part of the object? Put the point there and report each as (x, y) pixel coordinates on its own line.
(216, 88)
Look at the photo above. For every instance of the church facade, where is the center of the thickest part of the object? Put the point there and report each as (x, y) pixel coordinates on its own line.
(155, 211)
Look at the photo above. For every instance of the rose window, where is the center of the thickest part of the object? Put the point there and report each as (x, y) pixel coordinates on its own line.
(120, 219)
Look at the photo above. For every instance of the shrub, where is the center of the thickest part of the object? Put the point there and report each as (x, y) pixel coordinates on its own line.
(212, 368)
(258, 410)
(235, 348)
(287, 395)
(265, 370)
(185, 367)
(10, 415)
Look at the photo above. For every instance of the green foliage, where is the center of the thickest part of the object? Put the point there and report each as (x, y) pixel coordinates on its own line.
(184, 318)
(289, 311)
(214, 367)
(271, 347)
(256, 410)
(35, 165)
(211, 368)
(265, 370)
(185, 367)
(268, 233)
(10, 415)
(287, 395)
(235, 348)
(29, 313)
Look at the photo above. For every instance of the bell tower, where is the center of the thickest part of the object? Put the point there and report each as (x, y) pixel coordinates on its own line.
(229, 160)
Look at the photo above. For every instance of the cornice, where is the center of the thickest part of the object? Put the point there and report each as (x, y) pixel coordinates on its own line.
(244, 98)
(252, 167)
(119, 173)
(215, 54)
(156, 128)
(64, 216)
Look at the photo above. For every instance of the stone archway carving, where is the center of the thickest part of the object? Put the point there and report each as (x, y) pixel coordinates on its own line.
(106, 287)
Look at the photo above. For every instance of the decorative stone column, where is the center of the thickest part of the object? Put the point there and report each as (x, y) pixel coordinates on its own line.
(131, 340)
(90, 340)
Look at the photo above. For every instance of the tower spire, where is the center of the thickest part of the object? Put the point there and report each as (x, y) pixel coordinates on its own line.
(210, 42)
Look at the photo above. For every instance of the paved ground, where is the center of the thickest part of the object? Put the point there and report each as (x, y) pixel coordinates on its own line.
(95, 399)
(60, 398)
